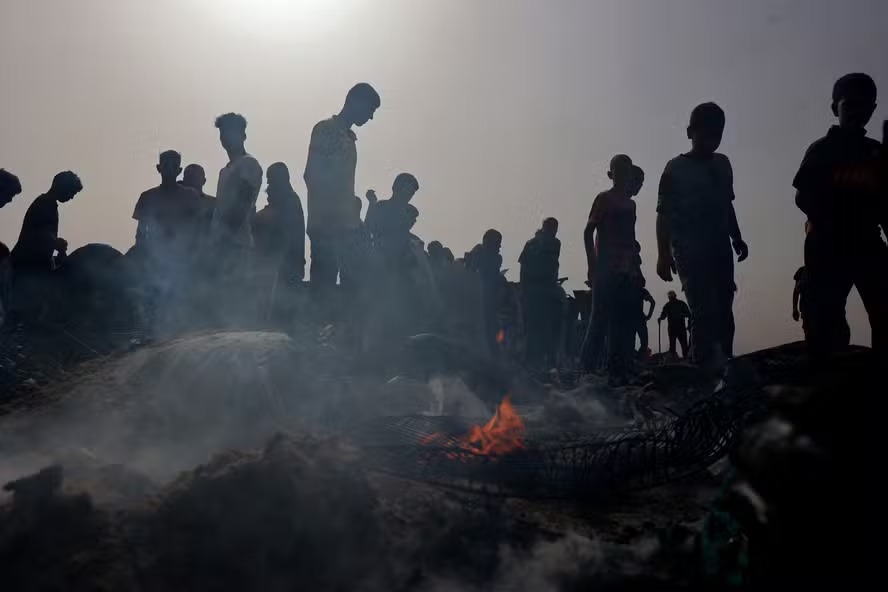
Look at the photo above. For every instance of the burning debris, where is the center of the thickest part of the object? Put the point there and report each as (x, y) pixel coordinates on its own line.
(503, 434)
(321, 512)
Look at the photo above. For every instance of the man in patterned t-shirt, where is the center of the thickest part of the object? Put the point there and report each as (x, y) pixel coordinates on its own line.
(334, 217)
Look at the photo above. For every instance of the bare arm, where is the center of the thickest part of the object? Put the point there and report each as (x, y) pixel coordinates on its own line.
(796, 293)
(665, 262)
(734, 225)
(591, 255)
(650, 313)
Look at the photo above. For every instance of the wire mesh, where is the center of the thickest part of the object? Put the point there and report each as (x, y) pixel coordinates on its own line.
(560, 466)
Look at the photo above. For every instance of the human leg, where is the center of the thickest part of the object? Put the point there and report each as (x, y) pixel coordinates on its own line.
(829, 282)
(324, 258)
(682, 336)
(643, 337)
(597, 333)
(871, 280)
(623, 327)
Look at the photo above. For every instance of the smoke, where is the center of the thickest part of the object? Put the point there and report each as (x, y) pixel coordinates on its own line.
(573, 562)
(167, 408)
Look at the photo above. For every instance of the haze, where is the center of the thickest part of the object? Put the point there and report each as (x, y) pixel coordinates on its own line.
(506, 110)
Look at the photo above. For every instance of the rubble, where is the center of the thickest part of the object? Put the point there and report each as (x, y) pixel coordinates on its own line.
(128, 510)
(299, 514)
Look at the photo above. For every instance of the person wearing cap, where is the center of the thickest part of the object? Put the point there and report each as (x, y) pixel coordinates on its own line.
(841, 187)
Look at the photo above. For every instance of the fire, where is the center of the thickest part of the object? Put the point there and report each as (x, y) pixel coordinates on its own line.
(501, 337)
(504, 433)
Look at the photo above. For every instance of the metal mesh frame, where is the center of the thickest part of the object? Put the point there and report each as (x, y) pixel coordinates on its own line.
(560, 466)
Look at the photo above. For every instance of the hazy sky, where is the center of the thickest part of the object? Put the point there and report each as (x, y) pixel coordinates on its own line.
(506, 110)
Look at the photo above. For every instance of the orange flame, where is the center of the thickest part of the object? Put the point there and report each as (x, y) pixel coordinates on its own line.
(501, 337)
(504, 433)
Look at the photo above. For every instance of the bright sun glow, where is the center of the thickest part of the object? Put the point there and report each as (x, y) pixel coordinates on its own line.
(284, 17)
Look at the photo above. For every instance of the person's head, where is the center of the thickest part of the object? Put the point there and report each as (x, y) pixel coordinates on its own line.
(65, 186)
(232, 131)
(412, 216)
(361, 104)
(620, 171)
(449, 256)
(672, 295)
(169, 165)
(404, 187)
(278, 175)
(550, 227)
(194, 177)
(493, 240)
(636, 180)
(854, 100)
(10, 186)
(706, 128)
(435, 250)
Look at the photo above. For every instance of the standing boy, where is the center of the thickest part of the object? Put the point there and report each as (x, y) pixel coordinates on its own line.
(696, 228)
(841, 188)
(610, 253)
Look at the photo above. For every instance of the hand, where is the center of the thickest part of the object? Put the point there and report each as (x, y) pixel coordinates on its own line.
(61, 245)
(666, 267)
(795, 316)
(741, 249)
(371, 196)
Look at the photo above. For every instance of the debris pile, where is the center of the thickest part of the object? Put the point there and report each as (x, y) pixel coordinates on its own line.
(300, 514)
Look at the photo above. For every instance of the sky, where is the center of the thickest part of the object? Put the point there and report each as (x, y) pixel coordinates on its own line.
(506, 110)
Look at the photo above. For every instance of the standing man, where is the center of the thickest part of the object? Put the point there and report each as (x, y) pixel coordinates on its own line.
(486, 260)
(676, 312)
(541, 295)
(166, 216)
(333, 218)
(195, 178)
(231, 234)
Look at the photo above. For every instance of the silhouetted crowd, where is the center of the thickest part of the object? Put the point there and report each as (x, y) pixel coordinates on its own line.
(204, 261)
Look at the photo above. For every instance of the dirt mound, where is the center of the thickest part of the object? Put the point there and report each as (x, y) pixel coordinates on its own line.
(300, 514)
(290, 517)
